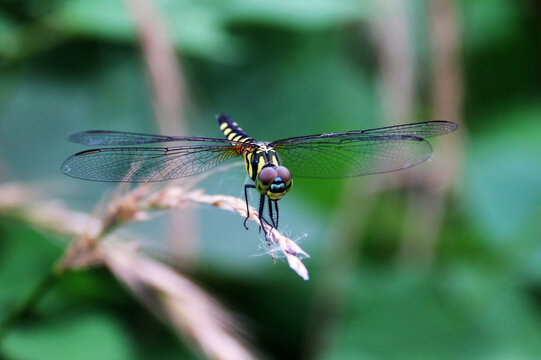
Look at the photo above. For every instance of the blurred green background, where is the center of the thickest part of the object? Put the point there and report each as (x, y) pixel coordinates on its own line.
(441, 261)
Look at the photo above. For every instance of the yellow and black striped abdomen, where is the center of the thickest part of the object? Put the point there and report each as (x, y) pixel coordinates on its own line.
(232, 130)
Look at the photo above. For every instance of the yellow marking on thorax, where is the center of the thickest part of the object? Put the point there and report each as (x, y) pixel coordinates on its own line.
(260, 163)
(227, 131)
(223, 126)
(248, 162)
(256, 157)
(274, 160)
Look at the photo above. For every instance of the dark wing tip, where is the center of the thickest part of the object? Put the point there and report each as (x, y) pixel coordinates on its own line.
(76, 138)
(452, 126)
(87, 152)
(67, 166)
(85, 137)
(445, 127)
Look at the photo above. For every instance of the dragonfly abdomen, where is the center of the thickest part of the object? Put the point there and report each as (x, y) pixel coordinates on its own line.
(232, 130)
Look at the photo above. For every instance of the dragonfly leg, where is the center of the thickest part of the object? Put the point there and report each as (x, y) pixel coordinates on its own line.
(271, 215)
(262, 218)
(261, 208)
(246, 187)
(277, 213)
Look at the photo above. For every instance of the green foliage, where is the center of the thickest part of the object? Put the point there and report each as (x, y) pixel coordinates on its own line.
(298, 15)
(195, 28)
(401, 314)
(24, 253)
(84, 335)
(501, 185)
(284, 68)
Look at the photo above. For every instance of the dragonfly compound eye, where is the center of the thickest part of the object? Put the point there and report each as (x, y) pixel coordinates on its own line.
(267, 175)
(283, 173)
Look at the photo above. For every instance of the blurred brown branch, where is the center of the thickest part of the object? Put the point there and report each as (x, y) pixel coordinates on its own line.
(169, 100)
(392, 31)
(136, 205)
(178, 301)
(163, 70)
(427, 207)
(173, 297)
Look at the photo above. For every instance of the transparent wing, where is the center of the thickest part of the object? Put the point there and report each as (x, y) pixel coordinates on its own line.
(421, 129)
(145, 164)
(336, 157)
(102, 137)
(363, 152)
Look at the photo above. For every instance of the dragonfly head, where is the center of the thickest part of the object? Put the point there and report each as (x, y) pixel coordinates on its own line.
(274, 181)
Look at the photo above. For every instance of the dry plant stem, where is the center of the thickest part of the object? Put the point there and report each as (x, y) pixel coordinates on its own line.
(159, 56)
(395, 54)
(169, 98)
(88, 250)
(136, 205)
(174, 197)
(179, 302)
(178, 294)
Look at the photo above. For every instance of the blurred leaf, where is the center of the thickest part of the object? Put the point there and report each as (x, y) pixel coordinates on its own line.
(84, 336)
(500, 56)
(194, 29)
(401, 314)
(8, 40)
(25, 257)
(502, 187)
(532, 270)
(300, 14)
(199, 28)
(102, 18)
(489, 22)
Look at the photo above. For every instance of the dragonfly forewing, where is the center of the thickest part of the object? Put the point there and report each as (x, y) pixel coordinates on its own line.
(145, 164)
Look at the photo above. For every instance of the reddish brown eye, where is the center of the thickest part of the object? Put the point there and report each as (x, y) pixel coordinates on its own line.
(267, 175)
(283, 173)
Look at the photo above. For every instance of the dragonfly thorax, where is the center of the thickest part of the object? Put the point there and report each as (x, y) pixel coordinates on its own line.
(273, 181)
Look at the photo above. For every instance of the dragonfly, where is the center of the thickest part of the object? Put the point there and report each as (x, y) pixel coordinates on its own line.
(271, 166)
